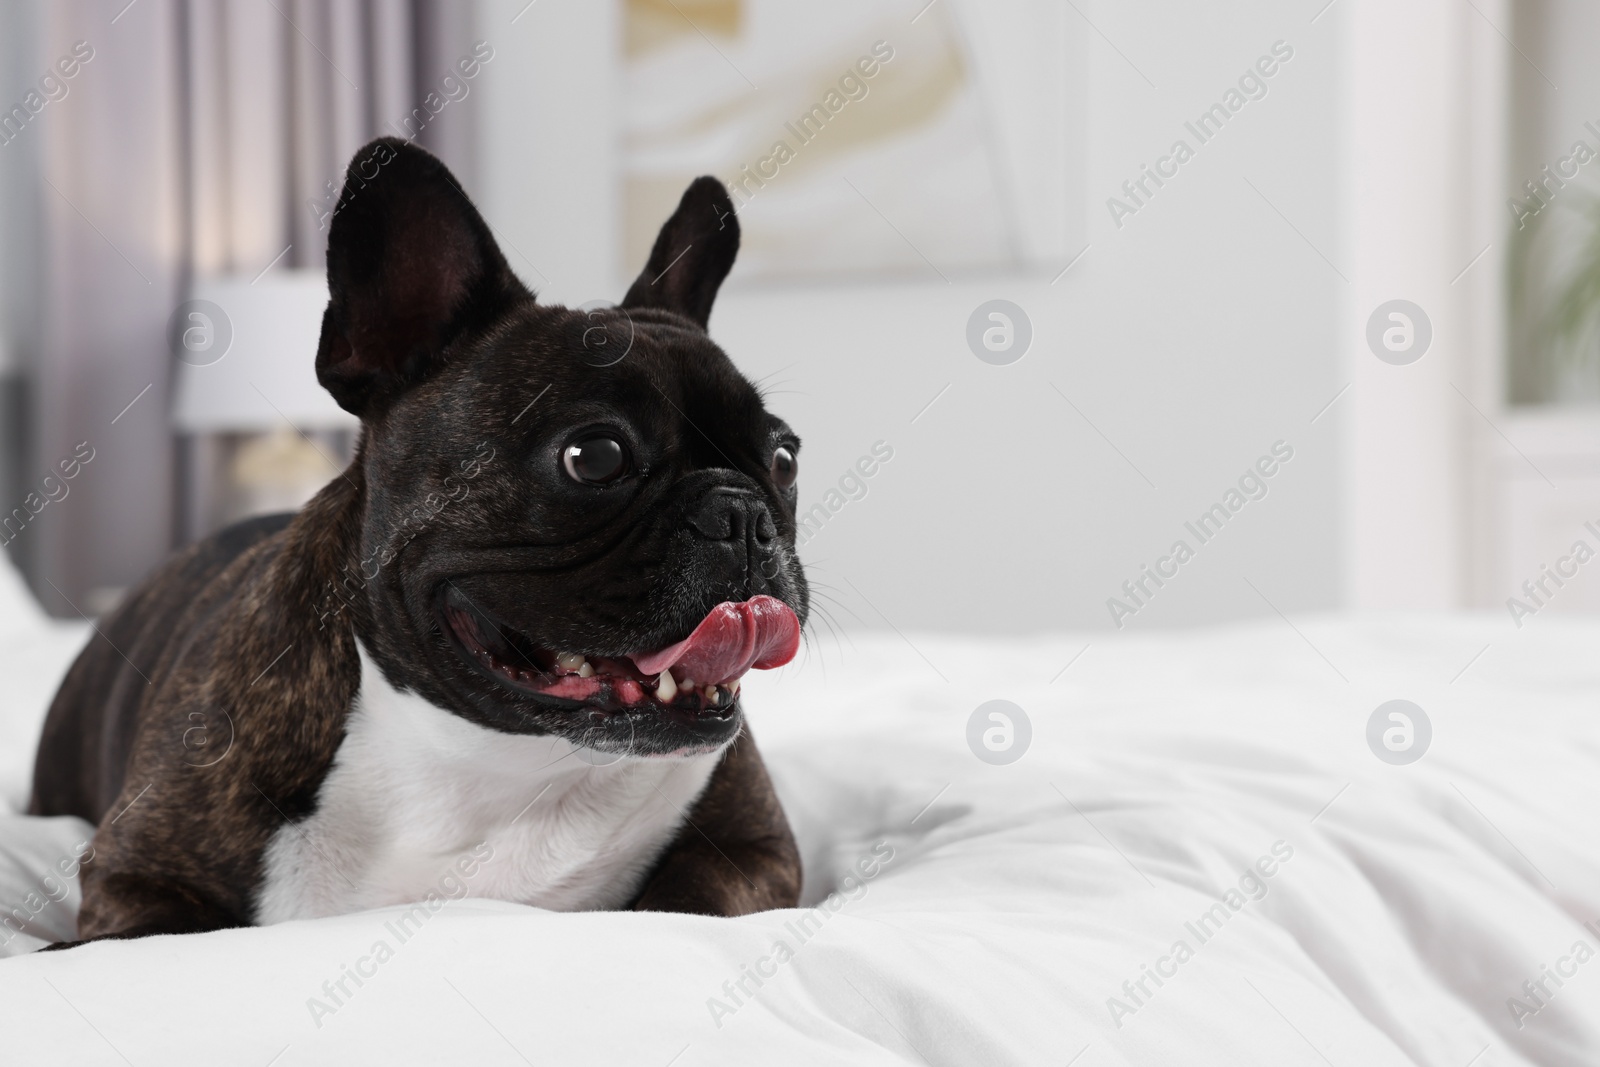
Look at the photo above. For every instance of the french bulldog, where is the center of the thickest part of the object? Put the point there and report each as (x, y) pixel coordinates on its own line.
(501, 650)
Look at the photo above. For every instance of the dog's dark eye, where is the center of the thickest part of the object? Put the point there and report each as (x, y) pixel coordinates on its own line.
(595, 460)
(785, 467)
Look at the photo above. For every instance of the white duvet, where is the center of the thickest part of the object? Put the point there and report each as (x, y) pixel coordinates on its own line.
(1197, 860)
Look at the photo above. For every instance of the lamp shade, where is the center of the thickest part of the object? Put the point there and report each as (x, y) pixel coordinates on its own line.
(245, 353)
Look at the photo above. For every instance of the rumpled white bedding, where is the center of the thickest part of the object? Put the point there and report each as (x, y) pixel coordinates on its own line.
(1006, 906)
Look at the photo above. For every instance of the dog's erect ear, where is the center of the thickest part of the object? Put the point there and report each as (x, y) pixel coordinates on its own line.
(411, 264)
(693, 253)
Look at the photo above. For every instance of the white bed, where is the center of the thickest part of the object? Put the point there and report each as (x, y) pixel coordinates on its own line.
(1413, 903)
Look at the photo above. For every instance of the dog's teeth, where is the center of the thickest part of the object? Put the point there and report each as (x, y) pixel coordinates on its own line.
(710, 693)
(666, 689)
(570, 661)
(733, 690)
(586, 670)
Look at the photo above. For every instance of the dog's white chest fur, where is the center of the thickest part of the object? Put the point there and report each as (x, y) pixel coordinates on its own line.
(414, 790)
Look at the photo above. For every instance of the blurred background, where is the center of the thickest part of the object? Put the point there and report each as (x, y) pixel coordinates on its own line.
(1352, 243)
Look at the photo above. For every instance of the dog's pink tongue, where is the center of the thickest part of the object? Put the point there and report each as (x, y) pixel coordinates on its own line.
(761, 632)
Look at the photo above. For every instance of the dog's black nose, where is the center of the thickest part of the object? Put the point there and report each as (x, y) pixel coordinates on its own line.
(728, 514)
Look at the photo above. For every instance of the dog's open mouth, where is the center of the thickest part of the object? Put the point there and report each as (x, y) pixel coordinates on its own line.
(700, 674)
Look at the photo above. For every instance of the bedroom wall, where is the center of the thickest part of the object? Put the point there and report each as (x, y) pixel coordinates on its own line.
(1172, 357)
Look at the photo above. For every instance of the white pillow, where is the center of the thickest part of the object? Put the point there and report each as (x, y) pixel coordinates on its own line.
(19, 611)
(35, 652)
(39, 890)
(39, 858)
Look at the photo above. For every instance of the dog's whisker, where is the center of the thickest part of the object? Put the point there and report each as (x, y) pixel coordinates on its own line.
(773, 374)
(825, 592)
(822, 616)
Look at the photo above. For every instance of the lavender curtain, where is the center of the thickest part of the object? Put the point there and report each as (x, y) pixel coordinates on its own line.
(195, 139)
